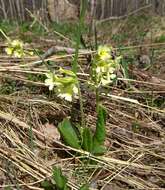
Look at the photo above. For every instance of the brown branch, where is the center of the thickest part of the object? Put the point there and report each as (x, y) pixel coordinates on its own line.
(124, 16)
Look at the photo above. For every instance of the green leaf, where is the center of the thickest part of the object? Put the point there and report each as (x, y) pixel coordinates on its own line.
(87, 140)
(47, 185)
(68, 134)
(61, 181)
(84, 187)
(125, 65)
(8, 188)
(83, 9)
(100, 132)
(98, 149)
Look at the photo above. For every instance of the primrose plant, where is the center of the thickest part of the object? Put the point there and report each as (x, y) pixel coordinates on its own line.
(104, 66)
(15, 47)
(67, 86)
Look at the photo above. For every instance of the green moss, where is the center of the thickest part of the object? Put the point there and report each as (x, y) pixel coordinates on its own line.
(24, 30)
(7, 27)
(8, 87)
(160, 39)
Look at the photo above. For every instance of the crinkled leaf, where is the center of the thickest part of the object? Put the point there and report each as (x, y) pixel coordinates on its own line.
(8, 188)
(68, 134)
(47, 185)
(98, 149)
(84, 187)
(100, 132)
(60, 180)
(87, 140)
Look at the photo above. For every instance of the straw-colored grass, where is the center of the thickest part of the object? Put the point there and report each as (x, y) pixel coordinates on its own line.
(135, 131)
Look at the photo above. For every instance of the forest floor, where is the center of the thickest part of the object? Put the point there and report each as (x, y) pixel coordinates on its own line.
(135, 127)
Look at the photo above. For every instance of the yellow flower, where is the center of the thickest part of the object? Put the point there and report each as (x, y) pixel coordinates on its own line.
(75, 90)
(111, 70)
(104, 66)
(9, 51)
(66, 86)
(104, 53)
(50, 80)
(105, 82)
(67, 92)
(30, 53)
(18, 54)
(16, 48)
(113, 76)
(66, 96)
(17, 44)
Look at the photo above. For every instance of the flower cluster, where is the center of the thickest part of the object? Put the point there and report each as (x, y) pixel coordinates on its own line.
(104, 66)
(16, 48)
(66, 84)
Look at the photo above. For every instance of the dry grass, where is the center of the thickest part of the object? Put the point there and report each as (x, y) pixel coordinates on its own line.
(135, 132)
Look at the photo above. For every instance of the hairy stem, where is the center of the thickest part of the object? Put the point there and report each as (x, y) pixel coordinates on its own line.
(81, 107)
(97, 99)
(80, 28)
